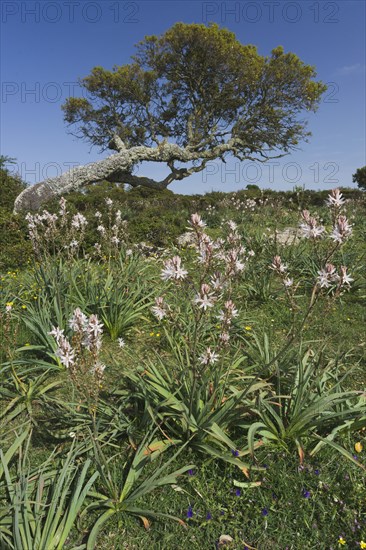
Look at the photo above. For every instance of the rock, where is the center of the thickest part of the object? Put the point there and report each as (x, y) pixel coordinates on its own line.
(287, 236)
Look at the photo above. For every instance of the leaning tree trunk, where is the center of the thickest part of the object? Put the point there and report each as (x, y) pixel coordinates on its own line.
(112, 168)
(118, 168)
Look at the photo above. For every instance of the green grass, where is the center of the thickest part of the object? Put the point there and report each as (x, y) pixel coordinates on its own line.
(334, 507)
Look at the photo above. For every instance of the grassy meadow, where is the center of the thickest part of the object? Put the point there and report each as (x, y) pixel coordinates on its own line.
(184, 371)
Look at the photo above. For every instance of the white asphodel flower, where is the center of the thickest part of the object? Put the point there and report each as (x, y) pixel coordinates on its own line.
(229, 313)
(57, 333)
(342, 229)
(231, 309)
(224, 337)
(197, 221)
(79, 221)
(65, 352)
(288, 282)
(204, 301)
(232, 225)
(173, 269)
(310, 228)
(327, 276)
(159, 310)
(205, 298)
(335, 199)
(94, 327)
(345, 278)
(217, 281)
(209, 357)
(78, 321)
(278, 266)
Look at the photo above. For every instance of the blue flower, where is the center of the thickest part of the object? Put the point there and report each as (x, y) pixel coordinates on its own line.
(208, 516)
(264, 512)
(238, 492)
(190, 512)
(306, 494)
(235, 452)
(191, 472)
(316, 472)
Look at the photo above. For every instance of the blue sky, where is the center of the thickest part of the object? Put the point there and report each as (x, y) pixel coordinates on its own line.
(47, 45)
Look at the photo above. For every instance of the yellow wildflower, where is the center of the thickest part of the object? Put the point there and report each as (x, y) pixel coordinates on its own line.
(358, 447)
(151, 333)
(248, 327)
(362, 544)
(24, 306)
(341, 541)
(157, 334)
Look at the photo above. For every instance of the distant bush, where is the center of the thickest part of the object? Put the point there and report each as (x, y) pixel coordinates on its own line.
(14, 246)
(360, 177)
(11, 186)
(154, 217)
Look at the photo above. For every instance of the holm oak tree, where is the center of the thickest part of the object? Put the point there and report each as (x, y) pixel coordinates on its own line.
(189, 96)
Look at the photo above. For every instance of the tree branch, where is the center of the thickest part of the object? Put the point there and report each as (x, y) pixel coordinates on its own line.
(118, 167)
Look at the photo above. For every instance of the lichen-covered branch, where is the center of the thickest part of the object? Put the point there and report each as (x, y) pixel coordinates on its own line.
(118, 168)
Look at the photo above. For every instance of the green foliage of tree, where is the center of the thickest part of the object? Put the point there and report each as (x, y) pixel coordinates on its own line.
(360, 177)
(200, 87)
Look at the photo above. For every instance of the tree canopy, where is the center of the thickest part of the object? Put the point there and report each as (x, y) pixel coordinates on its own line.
(191, 95)
(359, 177)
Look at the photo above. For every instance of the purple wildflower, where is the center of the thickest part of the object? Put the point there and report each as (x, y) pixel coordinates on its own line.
(190, 512)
